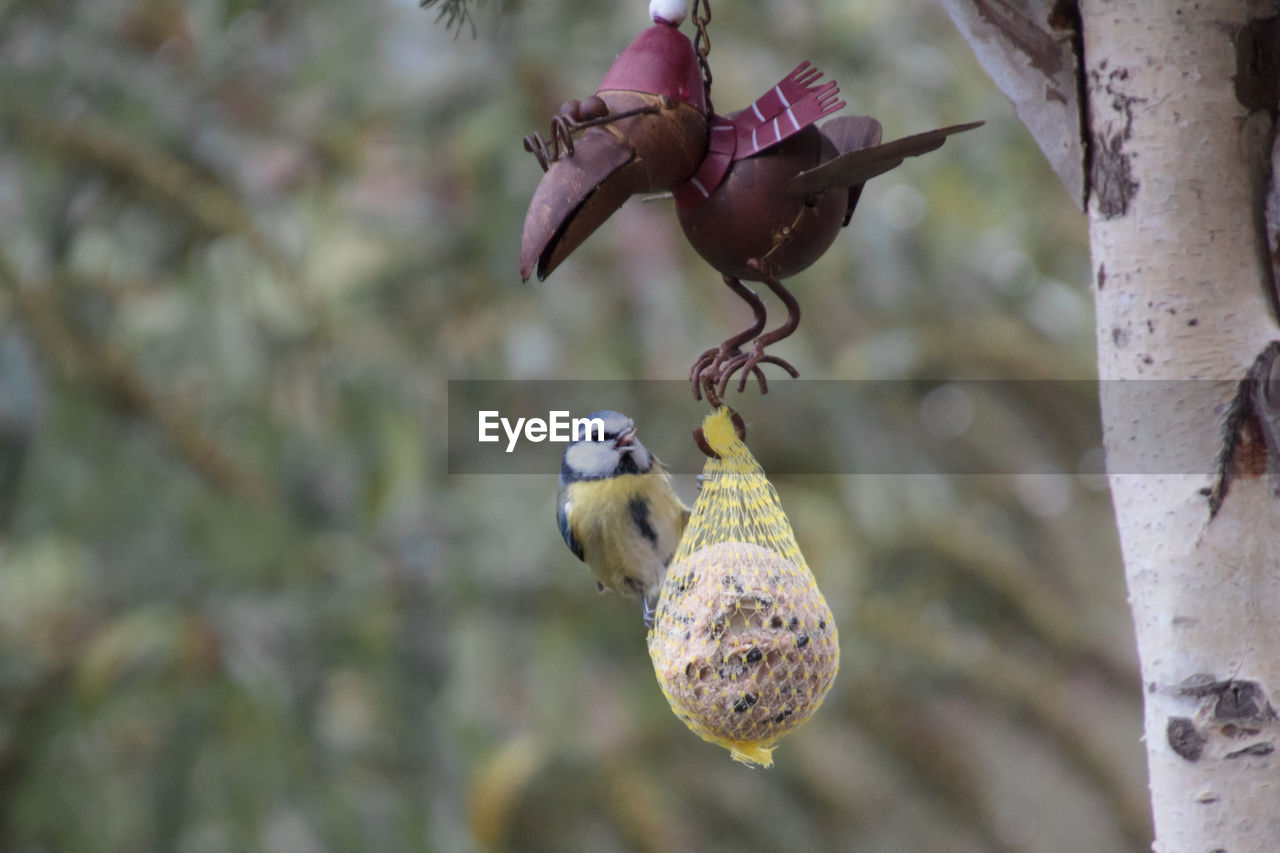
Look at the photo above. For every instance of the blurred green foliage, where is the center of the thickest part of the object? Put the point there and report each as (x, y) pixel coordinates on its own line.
(245, 606)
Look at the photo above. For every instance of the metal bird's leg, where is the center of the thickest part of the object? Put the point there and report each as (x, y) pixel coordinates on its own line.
(748, 363)
(709, 365)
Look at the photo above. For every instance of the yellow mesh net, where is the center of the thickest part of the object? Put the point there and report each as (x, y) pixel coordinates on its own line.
(743, 643)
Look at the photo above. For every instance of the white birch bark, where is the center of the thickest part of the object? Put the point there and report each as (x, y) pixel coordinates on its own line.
(1035, 65)
(1182, 294)
(1184, 233)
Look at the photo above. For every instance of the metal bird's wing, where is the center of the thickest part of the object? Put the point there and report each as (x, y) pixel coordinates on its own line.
(852, 133)
(857, 166)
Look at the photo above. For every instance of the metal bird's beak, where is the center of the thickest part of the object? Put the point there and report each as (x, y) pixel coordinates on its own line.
(574, 198)
(645, 143)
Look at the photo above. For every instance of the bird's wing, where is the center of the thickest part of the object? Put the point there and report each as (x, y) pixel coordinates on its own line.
(860, 165)
(566, 531)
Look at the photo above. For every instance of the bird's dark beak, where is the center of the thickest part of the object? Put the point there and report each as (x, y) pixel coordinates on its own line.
(575, 197)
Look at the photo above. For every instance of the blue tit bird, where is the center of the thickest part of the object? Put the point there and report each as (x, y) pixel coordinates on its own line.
(617, 510)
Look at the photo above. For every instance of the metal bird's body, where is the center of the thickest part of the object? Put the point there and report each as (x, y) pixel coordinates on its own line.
(617, 511)
(761, 193)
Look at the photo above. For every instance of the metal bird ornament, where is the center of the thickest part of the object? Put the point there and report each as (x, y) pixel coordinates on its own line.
(760, 193)
(643, 131)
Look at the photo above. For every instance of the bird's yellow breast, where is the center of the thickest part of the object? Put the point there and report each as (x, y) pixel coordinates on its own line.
(605, 526)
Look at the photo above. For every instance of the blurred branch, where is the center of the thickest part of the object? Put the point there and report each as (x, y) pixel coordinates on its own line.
(998, 564)
(1036, 691)
(1003, 347)
(205, 202)
(28, 726)
(635, 802)
(897, 723)
(116, 290)
(454, 13)
(79, 356)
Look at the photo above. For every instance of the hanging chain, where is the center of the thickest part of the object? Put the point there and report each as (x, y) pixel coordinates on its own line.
(702, 42)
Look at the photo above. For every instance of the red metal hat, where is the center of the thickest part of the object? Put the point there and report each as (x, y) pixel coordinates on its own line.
(659, 61)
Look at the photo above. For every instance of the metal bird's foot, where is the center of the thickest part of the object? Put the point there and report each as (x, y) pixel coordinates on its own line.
(707, 361)
(708, 371)
(746, 365)
(715, 368)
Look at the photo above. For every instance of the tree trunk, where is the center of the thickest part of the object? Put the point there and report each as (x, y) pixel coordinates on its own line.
(1179, 125)
(1182, 275)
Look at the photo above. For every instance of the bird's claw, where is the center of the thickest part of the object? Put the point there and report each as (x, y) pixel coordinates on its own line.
(649, 612)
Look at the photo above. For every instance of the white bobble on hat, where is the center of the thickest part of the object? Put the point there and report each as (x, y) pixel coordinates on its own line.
(668, 11)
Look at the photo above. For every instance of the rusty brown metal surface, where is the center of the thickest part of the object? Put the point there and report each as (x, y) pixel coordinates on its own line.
(750, 219)
(648, 152)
